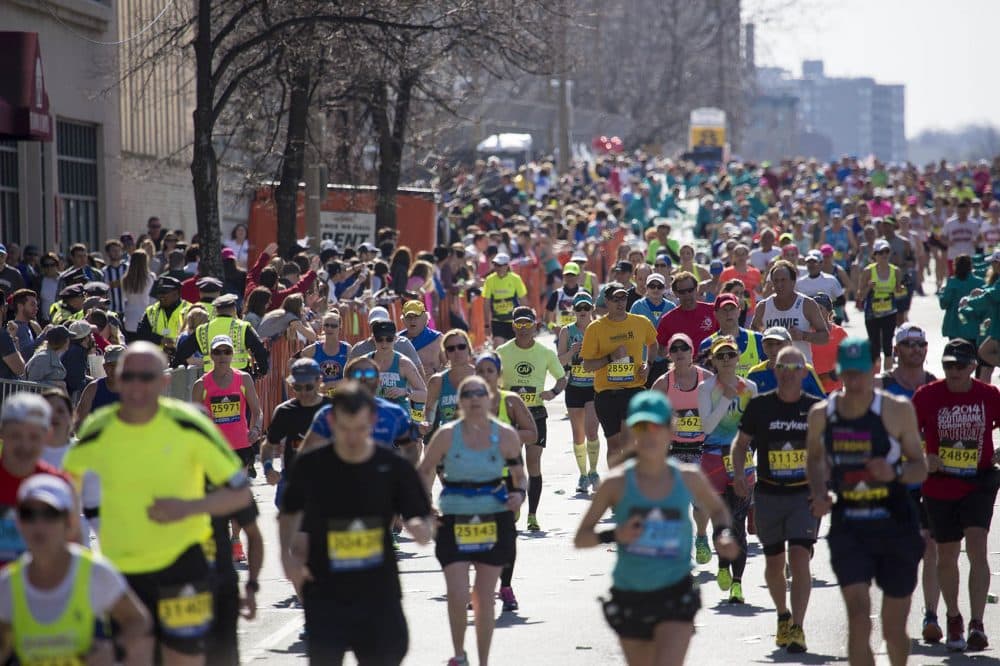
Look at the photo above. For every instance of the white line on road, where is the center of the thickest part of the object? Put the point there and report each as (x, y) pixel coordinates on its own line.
(272, 640)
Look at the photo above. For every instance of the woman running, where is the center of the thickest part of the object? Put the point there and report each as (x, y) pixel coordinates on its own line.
(330, 352)
(477, 512)
(722, 399)
(879, 284)
(653, 597)
(510, 409)
(580, 394)
(442, 388)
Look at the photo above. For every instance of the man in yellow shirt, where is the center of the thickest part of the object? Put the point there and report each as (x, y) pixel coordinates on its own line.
(502, 289)
(617, 348)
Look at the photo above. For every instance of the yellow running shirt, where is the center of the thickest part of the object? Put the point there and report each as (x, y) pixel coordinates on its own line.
(604, 336)
(503, 292)
(524, 370)
(170, 456)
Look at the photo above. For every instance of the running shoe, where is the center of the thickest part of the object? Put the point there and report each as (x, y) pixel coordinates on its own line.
(582, 484)
(932, 630)
(796, 639)
(238, 554)
(395, 541)
(724, 579)
(736, 592)
(594, 479)
(977, 637)
(702, 551)
(533, 523)
(781, 635)
(508, 599)
(252, 471)
(956, 634)
(459, 661)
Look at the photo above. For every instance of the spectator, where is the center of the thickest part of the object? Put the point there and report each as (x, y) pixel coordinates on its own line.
(46, 363)
(81, 345)
(136, 287)
(239, 245)
(399, 269)
(286, 320)
(257, 304)
(154, 231)
(195, 317)
(10, 278)
(259, 276)
(47, 283)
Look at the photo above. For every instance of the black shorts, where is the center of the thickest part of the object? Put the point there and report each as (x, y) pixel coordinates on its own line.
(949, 518)
(635, 614)
(223, 646)
(890, 559)
(246, 455)
(502, 329)
(541, 420)
(577, 397)
(612, 406)
(918, 501)
(501, 552)
(181, 623)
(374, 630)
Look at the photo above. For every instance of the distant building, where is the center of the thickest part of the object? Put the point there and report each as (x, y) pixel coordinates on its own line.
(772, 132)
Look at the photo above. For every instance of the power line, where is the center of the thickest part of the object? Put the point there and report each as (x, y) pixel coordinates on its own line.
(48, 6)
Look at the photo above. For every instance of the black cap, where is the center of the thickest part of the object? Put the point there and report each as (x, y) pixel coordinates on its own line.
(57, 334)
(612, 287)
(74, 276)
(383, 328)
(823, 300)
(959, 351)
(624, 266)
(209, 284)
(166, 283)
(96, 288)
(524, 312)
(72, 291)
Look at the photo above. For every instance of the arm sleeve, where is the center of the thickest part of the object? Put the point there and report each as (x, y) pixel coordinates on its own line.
(411, 499)
(257, 348)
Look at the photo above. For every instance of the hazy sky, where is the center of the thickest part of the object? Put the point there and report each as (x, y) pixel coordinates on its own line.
(944, 52)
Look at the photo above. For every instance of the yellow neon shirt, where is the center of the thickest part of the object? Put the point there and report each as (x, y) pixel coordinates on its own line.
(503, 294)
(524, 370)
(170, 456)
(604, 336)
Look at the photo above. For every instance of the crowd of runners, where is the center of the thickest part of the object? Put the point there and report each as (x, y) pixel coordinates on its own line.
(711, 377)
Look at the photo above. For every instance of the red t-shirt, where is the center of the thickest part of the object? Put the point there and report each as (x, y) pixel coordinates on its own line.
(698, 324)
(957, 427)
(751, 280)
(11, 544)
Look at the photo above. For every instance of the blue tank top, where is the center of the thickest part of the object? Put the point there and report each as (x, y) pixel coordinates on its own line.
(103, 395)
(447, 405)
(661, 556)
(464, 465)
(332, 366)
(424, 338)
(392, 378)
(840, 243)
(890, 385)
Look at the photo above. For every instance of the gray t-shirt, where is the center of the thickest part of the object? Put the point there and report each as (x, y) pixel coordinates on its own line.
(402, 345)
(45, 366)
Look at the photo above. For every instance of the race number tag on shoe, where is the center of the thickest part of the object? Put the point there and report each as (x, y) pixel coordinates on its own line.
(185, 610)
(355, 544)
(959, 458)
(475, 534)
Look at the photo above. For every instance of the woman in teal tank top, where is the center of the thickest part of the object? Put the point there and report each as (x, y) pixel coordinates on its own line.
(442, 388)
(399, 379)
(654, 598)
(477, 511)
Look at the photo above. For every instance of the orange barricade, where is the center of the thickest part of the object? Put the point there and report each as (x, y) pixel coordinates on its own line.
(271, 388)
(534, 280)
(477, 322)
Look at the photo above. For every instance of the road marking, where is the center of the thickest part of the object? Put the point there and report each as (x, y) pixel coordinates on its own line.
(272, 640)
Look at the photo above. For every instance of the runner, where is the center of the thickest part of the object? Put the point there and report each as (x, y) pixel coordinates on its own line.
(722, 399)
(526, 362)
(691, 316)
(502, 289)
(957, 418)
(442, 388)
(653, 596)
(880, 283)
(855, 443)
(401, 344)
(615, 348)
(680, 385)
(401, 382)
(774, 424)
(425, 340)
(103, 391)
(559, 307)
(344, 497)
(510, 409)
(777, 338)
(798, 314)
(653, 306)
(580, 394)
(751, 343)
(477, 522)
(331, 352)
(52, 596)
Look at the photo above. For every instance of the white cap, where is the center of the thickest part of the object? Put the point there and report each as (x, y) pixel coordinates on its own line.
(47, 489)
(501, 259)
(910, 332)
(378, 314)
(880, 245)
(221, 340)
(27, 408)
(814, 255)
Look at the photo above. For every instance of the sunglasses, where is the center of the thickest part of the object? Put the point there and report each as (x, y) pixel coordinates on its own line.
(298, 388)
(459, 347)
(655, 285)
(144, 377)
(618, 297)
(916, 344)
(582, 308)
(367, 373)
(684, 292)
(222, 352)
(789, 366)
(679, 348)
(523, 325)
(955, 365)
(48, 514)
(385, 338)
(725, 356)
(331, 327)
(474, 393)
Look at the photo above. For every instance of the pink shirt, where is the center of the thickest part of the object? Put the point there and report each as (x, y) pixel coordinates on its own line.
(227, 407)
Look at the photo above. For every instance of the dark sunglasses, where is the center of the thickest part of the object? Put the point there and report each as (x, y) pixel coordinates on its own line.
(298, 388)
(331, 327)
(791, 367)
(679, 348)
(459, 347)
(385, 338)
(725, 356)
(49, 514)
(582, 308)
(684, 292)
(955, 365)
(144, 377)
(222, 352)
(474, 393)
(618, 297)
(366, 373)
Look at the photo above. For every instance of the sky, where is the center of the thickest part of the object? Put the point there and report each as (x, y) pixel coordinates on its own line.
(943, 51)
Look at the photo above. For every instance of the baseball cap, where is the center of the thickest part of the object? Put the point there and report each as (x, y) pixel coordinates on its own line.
(305, 369)
(814, 255)
(836, 212)
(523, 312)
(502, 259)
(80, 329)
(227, 253)
(910, 333)
(726, 299)
(665, 258)
(823, 300)
(722, 342)
(880, 245)
(582, 297)
(624, 266)
(383, 328)
(113, 353)
(367, 247)
(826, 249)
(777, 333)
(854, 354)
(683, 337)
(27, 408)
(957, 350)
(3, 249)
(57, 335)
(654, 277)
(221, 341)
(378, 314)
(571, 268)
(414, 308)
(209, 284)
(612, 287)
(649, 407)
(48, 489)
(716, 267)
(224, 301)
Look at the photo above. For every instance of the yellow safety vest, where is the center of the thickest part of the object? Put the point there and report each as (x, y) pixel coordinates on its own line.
(66, 640)
(748, 358)
(161, 325)
(60, 314)
(235, 329)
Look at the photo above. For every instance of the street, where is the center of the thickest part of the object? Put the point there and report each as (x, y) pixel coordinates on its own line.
(560, 621)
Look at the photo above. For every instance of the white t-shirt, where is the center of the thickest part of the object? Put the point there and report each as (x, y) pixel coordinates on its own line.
(961, 237)
(107, 586)
(91, 492)
(990, 233)
(759, 258)
(136, 304)
(824, 282)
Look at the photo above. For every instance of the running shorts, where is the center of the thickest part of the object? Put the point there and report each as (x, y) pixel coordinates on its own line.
(890, 559)
(457, 544)
(949, 518)
(635, 614)
(783, 518)
(577, 397)
(611, 407)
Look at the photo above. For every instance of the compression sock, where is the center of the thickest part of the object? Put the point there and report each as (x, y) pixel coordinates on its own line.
(507, 575)
(593, 453)
(534, 493)
(580, 453)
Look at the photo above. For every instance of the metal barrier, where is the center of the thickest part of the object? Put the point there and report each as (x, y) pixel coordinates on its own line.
(182, 380)
(9, 387)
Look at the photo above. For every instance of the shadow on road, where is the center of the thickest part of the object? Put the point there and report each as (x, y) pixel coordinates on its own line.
(291, 601)
(298, 647)
(941, 655)
(782, 656)
(740, 610)
(506, 620)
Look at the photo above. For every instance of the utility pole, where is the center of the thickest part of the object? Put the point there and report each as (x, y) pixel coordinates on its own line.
(315, 173)
(565, 156)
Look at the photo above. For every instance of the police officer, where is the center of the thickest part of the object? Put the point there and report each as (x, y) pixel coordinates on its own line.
(225, 322)
(209, 289)
(163, 320)
(69, 307)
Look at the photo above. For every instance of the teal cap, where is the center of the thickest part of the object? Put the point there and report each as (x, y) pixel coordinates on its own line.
(854, 354)
(649, 407)
(582, 297)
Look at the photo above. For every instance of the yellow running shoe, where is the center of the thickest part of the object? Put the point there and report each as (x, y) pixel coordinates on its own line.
(784, 624)
(724, 579)
(796, 639)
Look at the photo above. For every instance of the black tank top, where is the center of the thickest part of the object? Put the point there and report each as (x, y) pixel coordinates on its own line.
(864, 504)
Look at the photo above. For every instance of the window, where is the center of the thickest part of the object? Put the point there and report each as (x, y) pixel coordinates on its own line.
(10, 208)
(76, 147)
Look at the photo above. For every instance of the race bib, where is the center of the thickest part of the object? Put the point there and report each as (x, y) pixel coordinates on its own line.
(530, 395)
(748, 466)
(417, 412)
(185, 611)
(475, 534)
(225, 408)
(355, 544)
(620, 372)
(881, 305)
(577, 372)
(689, 425)
(787, 463)
(959, 458)
(503, 306)
(661, 536)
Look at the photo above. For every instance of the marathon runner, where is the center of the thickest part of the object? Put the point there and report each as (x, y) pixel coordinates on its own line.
(580, 394)
(750, 343)
(502, 289)
(774, 425)
(559, 307)
(825, 355)
(653, 306)
(476, 526)
(401, 344)
(654, 598)
(442, 389)
(777, 338)
(424, 339)
(400, 381)
(344, 497)
(856, 442)
(526, 362)
(879, 286)
(798, 314)
(691, 316)
(330, 353)
(957, 417)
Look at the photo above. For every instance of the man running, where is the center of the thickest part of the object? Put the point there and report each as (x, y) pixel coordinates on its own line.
(751, 343)
(775, 425)
(957, 417)
(653, 306)
(424, 339)
(798, 314)
(855, 444)
(502, 289)
(691, 316)
(777, 338)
